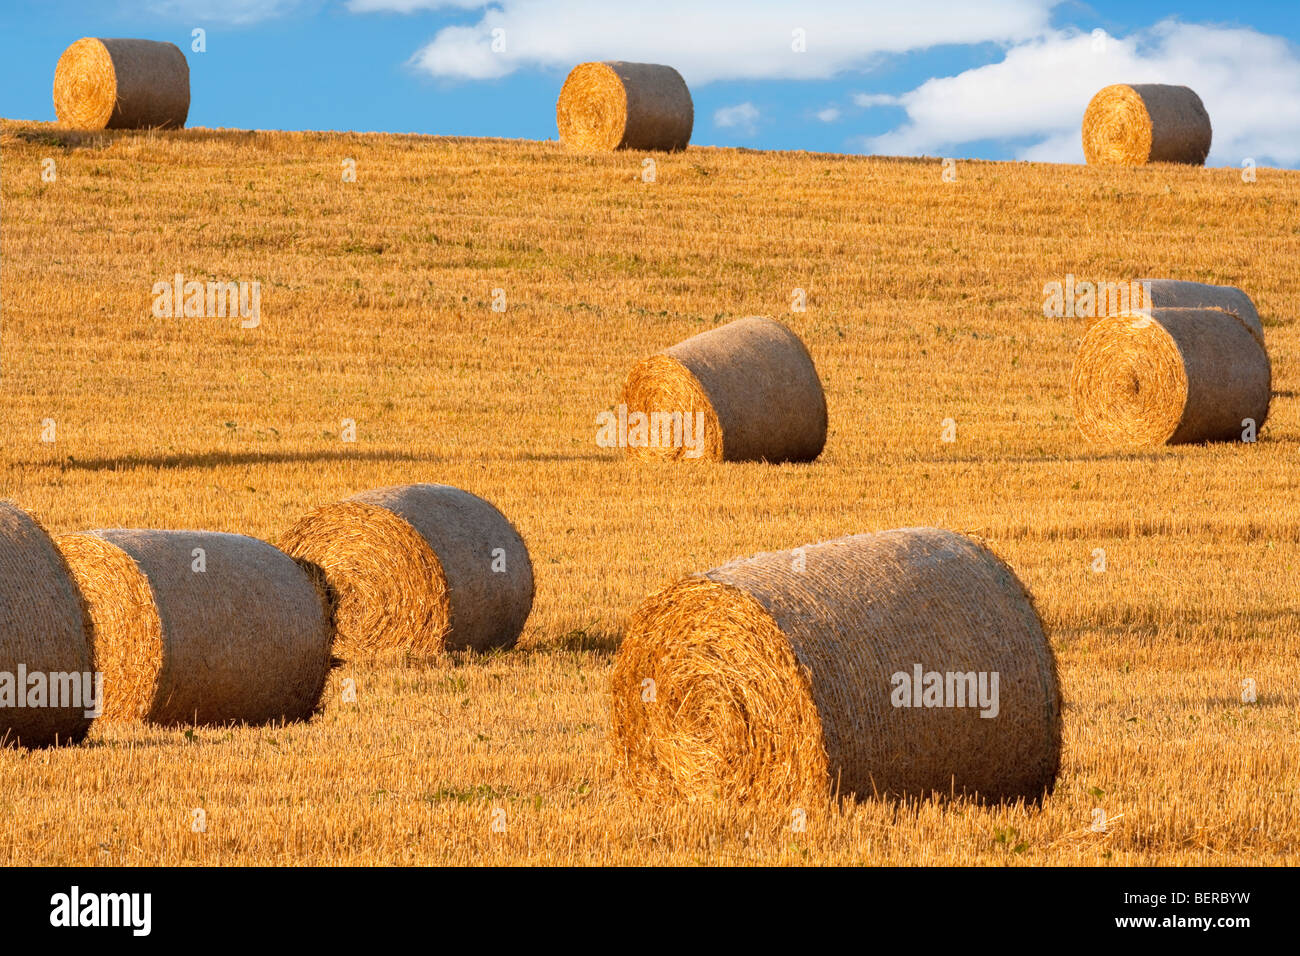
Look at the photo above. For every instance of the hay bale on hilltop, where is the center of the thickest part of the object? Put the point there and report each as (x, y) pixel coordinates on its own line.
(1178, 294)
(1172, 377)
(752, 381)
(423, 568)
(122, 84)
(1135, 124)
(200, 627)
(777, 677)
(616, 105)
(43, 631)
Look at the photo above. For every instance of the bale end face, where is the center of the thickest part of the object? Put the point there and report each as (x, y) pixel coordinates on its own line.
(676, 420)
(386, 586)
(710, 703)
(1128, 384)
(128, 631)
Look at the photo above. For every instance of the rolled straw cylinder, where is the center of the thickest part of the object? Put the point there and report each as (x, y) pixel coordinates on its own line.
(418, 567)
(122, 84)
(44, 634)
(615, 105)
(1171, 377)
(1178, 294)
(789, 676)
(1139, 123)
(751, 382)
(200, 627)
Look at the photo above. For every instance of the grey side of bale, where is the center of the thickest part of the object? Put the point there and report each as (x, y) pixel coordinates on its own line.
(1180, 126)
(1180, 294)
(1229, 375)
(153, 84)
(660, 112)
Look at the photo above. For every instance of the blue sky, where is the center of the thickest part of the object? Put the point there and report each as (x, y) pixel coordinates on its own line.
(1000, 79)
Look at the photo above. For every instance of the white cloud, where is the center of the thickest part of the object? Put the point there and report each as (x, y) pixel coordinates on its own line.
(829, 115)
(718, 40)
(876, 99)
(742, 117)
(1249, 82)
(1060, 148)
(466, 53)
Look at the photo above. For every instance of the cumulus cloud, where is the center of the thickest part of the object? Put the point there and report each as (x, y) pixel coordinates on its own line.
(1249, 82)
(828, 115)
(719, 40)
(876, 99)
(742, 117)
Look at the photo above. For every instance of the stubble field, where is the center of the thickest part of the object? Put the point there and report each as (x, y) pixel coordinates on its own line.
(924, 303)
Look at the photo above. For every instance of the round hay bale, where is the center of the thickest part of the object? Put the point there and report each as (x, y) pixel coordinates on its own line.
(44, 630)
(1173, 377)
(752, 381)
(1177, 294)
(122, 84)
(607, 106)
(245, 639)
(421, 568)
(1140, 123)
(787, 677)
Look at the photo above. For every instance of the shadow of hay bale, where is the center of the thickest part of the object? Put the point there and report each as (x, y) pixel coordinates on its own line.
(217, 459)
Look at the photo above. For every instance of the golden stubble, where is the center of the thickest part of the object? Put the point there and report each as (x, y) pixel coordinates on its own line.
(924, 303)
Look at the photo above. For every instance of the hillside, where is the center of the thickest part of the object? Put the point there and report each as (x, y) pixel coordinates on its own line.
(924, 303)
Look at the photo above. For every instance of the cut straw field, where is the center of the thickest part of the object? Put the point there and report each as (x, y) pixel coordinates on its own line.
(924, 303)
